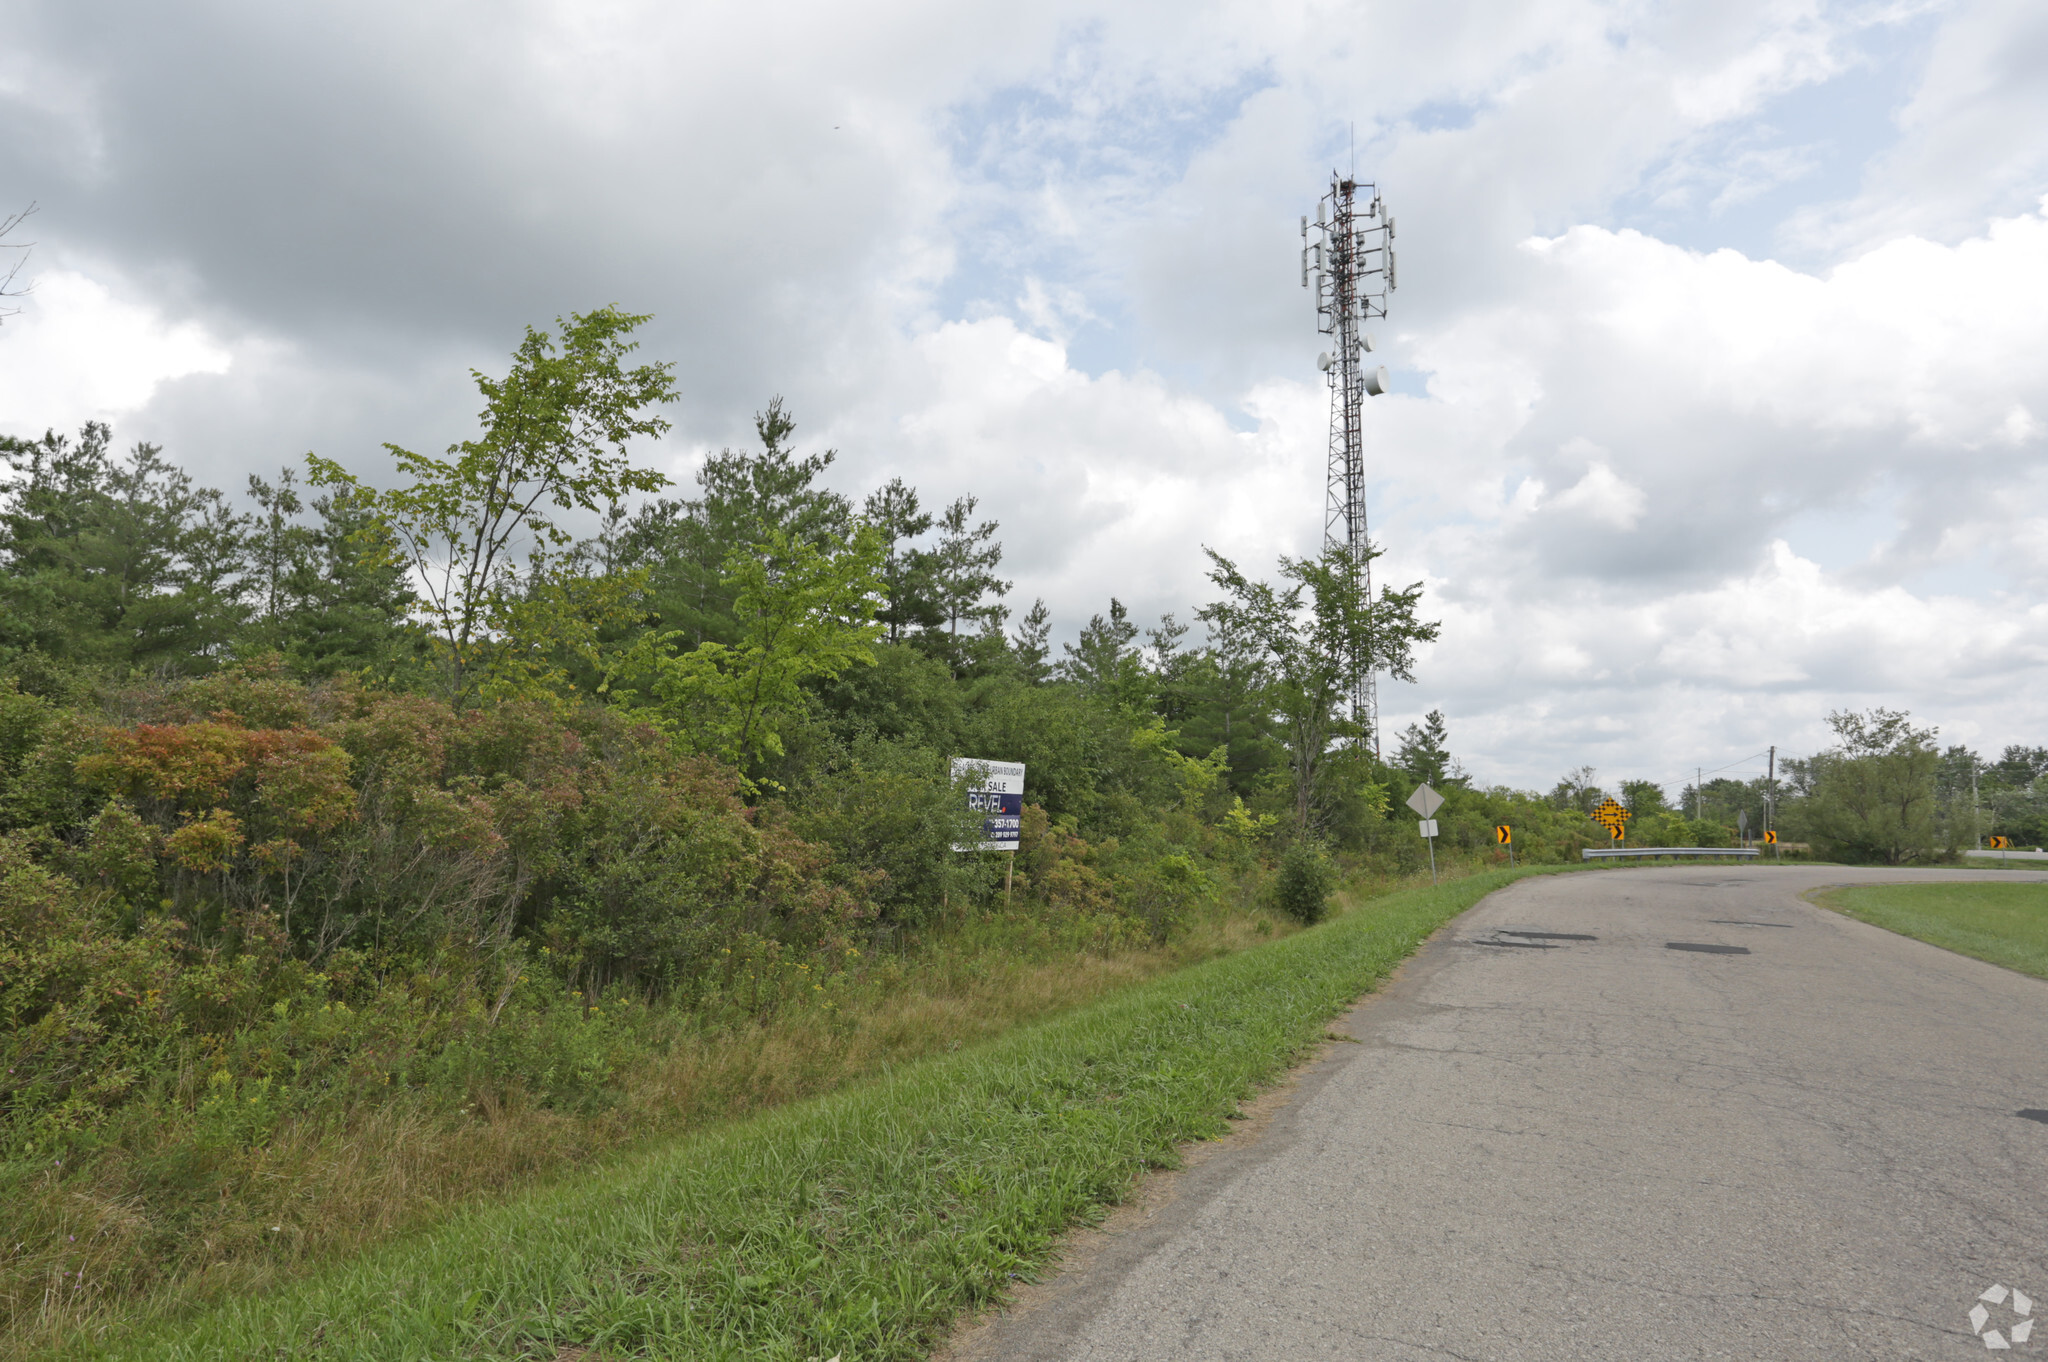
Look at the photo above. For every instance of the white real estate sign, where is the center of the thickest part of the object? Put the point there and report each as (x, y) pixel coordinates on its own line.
(995, 790)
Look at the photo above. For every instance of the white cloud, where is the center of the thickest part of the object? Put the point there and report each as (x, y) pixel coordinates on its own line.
(1044, 255)
(1737, 394)
(79, 352)
(1969, 145)
(1105, 484)
(1601, 496)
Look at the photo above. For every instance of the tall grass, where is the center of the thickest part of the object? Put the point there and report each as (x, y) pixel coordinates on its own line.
(175, 1219)
(862, 1222)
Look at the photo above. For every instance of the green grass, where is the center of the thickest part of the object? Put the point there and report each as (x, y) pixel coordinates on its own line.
(861, 1223)
(2006, 924)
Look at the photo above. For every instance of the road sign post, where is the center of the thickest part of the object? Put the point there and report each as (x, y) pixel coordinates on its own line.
(1426, 802)
(995, 790)
(1613, 816)
(1505, 835)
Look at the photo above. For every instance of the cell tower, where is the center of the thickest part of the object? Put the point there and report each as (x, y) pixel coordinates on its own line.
(1347, 255)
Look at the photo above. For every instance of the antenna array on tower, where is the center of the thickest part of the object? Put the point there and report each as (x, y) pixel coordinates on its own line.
(1347, 256)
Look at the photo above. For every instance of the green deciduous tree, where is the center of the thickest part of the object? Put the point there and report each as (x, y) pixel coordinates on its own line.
(1309, 637)
(806, 613)
(1872, 796)
(1643, 797)
(1577, 791)
(480, 528)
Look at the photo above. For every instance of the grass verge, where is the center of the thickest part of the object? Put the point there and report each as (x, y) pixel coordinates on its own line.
(2006, 924)
(858, 1224)
(161, 1223)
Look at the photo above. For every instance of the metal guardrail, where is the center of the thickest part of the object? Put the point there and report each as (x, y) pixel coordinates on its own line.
(1611, 853)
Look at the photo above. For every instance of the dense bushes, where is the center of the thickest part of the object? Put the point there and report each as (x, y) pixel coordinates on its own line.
(1301, 888)
(240, 910)
(255, 881)
(306, 895)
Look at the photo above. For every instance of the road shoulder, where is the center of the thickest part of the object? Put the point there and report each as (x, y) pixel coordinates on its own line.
(1040, 1320)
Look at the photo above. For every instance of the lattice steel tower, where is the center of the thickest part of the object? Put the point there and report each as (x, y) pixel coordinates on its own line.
(1347, 254)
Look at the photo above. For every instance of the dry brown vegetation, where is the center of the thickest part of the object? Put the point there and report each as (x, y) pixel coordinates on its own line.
(318, 1189)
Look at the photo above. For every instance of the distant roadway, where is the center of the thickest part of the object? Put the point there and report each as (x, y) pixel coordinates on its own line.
(1565, 1135)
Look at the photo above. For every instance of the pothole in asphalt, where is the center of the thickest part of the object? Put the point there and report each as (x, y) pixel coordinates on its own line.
(1548, 936)
(1705, 948)
(2033, 1114)
(1737, 922)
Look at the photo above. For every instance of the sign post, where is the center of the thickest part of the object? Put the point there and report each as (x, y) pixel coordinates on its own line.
(995, 790)
(1426, 802)
(1505, 835)
(1612, 816)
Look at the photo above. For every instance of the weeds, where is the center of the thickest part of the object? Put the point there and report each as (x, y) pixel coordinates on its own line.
(863, 1222)
(232, 1197)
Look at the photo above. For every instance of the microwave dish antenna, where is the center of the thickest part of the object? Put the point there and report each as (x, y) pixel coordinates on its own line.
(1347, 257)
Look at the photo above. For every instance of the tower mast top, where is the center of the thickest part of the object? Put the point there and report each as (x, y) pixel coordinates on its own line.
(1347, 256)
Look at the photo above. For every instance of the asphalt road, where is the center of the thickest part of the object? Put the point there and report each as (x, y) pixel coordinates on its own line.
(1593, 1145)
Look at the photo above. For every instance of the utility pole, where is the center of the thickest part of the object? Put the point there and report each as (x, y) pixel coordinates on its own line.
(1699, 793)
(1771, 798)
(1976, 832)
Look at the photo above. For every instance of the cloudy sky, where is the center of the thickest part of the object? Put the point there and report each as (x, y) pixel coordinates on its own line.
(1720, 355)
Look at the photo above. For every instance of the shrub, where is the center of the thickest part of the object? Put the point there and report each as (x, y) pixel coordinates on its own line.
(1305, 880)
(1165, 893)
(892, 817)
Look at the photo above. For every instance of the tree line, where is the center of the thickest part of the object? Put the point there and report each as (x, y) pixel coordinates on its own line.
(526, 729)
(481, 785)
(1884, 792)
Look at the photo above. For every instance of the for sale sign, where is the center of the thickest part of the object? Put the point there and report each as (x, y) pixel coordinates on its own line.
(995, 790)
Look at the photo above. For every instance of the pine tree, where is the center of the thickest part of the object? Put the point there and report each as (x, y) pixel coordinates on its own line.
(1425, 751)
(1031, 645)
(114, 563)
(744, 497)
(964, 566)
(908, 573)
(1104, 661)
